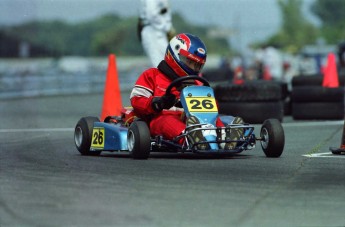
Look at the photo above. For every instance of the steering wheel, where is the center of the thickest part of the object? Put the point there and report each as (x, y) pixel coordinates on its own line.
(178, 81)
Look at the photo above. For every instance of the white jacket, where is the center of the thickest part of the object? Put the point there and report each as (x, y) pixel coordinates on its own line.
(156, 13)
(156, 17)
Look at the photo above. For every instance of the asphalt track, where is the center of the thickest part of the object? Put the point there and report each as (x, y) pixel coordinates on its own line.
(44, 181)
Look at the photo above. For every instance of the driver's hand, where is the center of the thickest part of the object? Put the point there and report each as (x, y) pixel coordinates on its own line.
(178, 104)
(164, 102)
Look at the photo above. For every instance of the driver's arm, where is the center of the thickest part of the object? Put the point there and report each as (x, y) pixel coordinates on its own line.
(147, 105)
(142, 105)
(142, 93)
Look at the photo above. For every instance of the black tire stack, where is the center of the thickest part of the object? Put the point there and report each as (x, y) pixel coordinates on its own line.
(253, 101)
(311, 101)
(218, 75)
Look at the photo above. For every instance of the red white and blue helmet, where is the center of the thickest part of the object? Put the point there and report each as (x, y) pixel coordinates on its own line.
(186, 54)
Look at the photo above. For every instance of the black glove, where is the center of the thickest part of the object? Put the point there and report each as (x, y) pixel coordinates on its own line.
(164, 102)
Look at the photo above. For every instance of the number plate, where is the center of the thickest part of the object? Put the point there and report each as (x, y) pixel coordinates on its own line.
(97, 138)
(201, 104)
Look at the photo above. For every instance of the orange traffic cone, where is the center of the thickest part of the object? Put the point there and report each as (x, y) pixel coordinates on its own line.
(330, 74)
(341, 149)
(112, 102)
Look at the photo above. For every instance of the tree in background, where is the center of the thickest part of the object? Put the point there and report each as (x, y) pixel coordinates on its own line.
(118, 36)
(98, 37)
(332, 15)
(295, 31)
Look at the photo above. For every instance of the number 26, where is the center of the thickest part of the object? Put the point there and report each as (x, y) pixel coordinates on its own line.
(98, 137)
(206, 103)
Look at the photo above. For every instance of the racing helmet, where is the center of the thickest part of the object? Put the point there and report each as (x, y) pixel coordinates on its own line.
(186, 54)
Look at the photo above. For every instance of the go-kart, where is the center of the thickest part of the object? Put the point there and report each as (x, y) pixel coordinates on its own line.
(128, 133)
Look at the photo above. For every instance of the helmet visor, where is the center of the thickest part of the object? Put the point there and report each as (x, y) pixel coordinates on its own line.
(191, 63)
(194, 62)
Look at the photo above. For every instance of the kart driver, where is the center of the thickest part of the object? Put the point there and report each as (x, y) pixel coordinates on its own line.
(185, 55)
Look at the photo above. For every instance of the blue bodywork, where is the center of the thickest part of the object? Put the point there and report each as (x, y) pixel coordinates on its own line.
(199, 91)
(115, 136)
(206, 117)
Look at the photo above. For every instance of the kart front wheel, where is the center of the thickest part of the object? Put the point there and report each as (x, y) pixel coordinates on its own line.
(272, 138)
(83, 135)
(138, 140)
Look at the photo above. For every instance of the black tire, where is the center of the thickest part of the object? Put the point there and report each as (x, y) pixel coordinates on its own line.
(139, 140)
(273, 138)
(216, 75)
(284, 90)
(83, 135)
(310, 80)
(259, 91)
(253, 112)
(313, 80)
(318, 110)
(317, 94)
(287, 106)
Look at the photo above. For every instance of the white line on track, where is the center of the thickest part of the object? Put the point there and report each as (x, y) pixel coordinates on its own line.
(37, 130)
(323, 155)
(317, 123)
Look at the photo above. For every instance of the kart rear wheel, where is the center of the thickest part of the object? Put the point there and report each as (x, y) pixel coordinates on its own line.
(83, 135)
(139, 140)
(273, 138)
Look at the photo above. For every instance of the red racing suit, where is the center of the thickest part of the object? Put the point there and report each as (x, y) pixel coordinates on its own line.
(168, 123)
(151, 83)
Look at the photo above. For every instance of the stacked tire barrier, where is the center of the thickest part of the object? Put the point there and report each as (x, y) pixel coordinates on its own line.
(218, 75)
(253, 101)
(311, 101)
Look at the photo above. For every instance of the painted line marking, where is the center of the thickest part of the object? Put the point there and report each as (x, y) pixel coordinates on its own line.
(37, 130)
(318, 123)
(323, 155)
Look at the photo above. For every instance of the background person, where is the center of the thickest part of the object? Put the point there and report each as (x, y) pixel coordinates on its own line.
(341, 56)
(155, 28)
